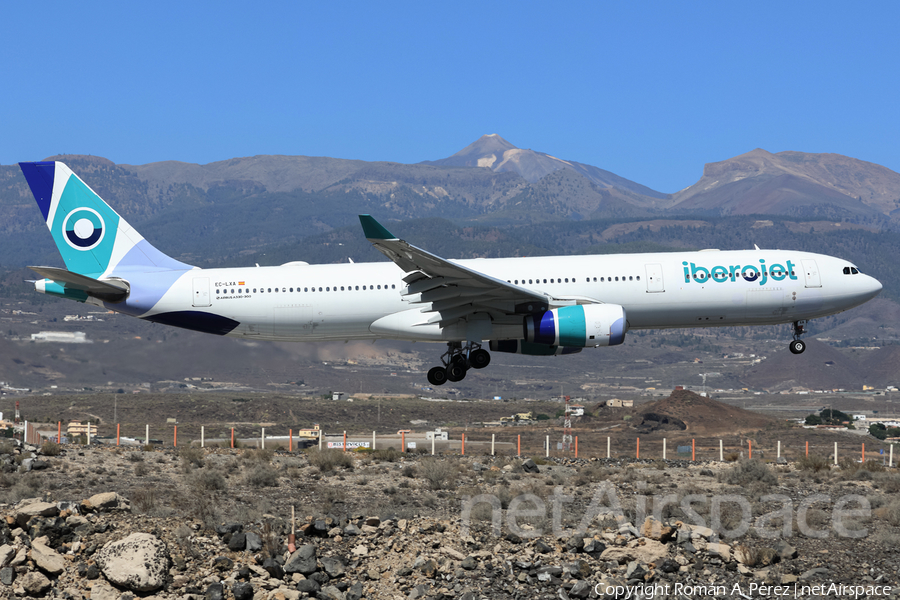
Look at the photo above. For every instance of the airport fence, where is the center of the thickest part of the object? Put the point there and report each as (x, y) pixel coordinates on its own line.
(706, 449)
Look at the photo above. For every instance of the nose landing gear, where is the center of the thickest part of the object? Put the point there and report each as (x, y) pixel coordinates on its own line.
(798, 346)
(457, 360)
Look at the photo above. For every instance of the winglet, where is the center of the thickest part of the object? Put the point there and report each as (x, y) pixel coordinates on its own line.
(374, 230)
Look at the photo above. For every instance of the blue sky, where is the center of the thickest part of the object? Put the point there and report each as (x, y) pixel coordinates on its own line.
(648, 90)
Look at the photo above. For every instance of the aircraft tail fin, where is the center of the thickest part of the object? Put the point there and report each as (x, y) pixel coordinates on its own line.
(91, 237)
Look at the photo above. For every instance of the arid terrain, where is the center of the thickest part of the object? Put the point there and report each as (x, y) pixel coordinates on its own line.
(389, 525)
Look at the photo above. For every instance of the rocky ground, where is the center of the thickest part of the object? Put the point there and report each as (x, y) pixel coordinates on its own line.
(106, 523)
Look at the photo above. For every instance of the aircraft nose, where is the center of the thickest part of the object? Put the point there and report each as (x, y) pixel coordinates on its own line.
(872, 287)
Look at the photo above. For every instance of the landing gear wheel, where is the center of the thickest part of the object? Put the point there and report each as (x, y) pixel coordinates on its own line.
(797, 346)
(479, 359)
(456, 371)
(437, 376)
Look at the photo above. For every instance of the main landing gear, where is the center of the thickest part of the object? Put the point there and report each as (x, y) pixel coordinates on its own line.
(457, 360)
(798, 345)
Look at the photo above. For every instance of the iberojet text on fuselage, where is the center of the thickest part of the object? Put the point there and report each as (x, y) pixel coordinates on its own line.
(751, 273)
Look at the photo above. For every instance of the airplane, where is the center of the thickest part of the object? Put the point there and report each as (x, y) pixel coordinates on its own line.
(550, 305)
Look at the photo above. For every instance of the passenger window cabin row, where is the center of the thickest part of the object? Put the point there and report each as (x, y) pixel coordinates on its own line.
(334, 288)
(350, 288)
(572, 280)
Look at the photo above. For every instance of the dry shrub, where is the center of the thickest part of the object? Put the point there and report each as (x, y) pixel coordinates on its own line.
(889, 483)
(814, 463)
(207, 480)
(439, 474)
(262, 476)
(49, 448)
(757, 556)
(262, 455)
(747, 472)
(330, 459)
(890, 513)
(144, 499)
(191, 457)
(387, 455)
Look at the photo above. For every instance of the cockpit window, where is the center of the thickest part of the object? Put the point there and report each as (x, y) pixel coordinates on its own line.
(854, 270)
(846, 270)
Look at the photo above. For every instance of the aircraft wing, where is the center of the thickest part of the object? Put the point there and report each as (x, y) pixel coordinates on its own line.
(110, 290)
(448, 289)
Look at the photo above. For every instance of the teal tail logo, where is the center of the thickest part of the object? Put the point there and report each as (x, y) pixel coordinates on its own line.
(91, 237)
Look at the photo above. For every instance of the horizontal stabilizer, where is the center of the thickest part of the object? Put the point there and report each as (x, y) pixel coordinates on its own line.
(109, 290)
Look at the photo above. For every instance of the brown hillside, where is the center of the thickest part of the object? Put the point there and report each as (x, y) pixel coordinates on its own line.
(762, 182)
(705, 416)
(820, 367)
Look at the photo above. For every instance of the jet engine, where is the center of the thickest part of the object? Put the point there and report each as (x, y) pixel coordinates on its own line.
(581, 326)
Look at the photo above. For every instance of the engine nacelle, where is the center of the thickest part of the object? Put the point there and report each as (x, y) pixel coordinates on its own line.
(582, 326)
(523, 347)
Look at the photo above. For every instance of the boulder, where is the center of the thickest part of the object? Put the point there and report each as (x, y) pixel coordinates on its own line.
(47, 559)
(238, 541)
(215, 591)
(139, 562)
(241, 591)
(309, 586)
(34, 507)
(529, 466)
(333, 566)
(454, 554)
(6, 554)
(656, 530)
(722, 551)
(103, 591)
(302, 561)
(254, 542)
(34, 583)
(331, 593)
(651, 552)
(105, 502)
(273, 568)
(354, 592)
(581, 589)
(785, 550)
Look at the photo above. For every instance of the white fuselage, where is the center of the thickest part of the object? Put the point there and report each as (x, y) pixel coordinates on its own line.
(299, 302)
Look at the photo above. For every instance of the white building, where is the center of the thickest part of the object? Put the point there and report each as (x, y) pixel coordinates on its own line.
(437, 434)
(61, 337)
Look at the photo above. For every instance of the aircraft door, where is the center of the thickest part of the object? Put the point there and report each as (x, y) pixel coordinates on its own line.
(811, 274)
(201, 292)
(654, 278)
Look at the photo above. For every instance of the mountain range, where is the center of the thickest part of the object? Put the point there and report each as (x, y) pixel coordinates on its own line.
(194, 209)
